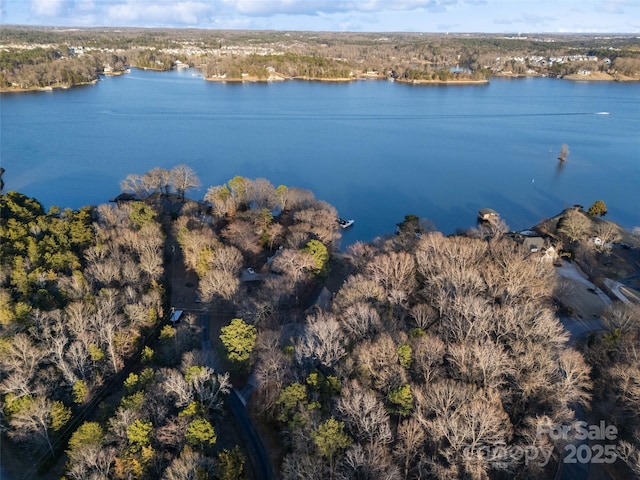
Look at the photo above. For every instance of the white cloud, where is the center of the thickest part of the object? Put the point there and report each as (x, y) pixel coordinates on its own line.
(339, 15)
(47, 8)
(315, 7)
(615, 6)
(85, 6)
(533, 19)
(160, 12)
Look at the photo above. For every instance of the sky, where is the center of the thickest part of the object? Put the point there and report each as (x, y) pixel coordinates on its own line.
(487, 16)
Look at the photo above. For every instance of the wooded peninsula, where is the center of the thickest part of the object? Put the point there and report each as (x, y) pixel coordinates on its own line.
(133, 333)
(34, 58)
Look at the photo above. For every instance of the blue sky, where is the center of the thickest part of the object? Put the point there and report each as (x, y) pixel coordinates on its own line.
(508, 16)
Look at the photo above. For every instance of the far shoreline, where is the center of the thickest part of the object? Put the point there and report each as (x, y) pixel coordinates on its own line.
(484, 81)
(277, 77)
(48, 88)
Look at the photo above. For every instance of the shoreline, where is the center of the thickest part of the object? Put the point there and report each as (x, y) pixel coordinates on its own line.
(49, 88)
(276, 77)
(599, 77)
(443, 82)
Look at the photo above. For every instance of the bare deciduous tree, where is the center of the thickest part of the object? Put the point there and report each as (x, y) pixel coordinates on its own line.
(630, 454)
(358, 288)
(183, 179)
(395, 271)
(243, 235)
(119, 424)
(369, 461)
(428, 353)
(294, 263)
(79, 359)
(193, 243)
(574, 225)
(227, 259)
(360, 254)
(534, 368)
(261, 193)
(360, 321)
(108, 334)
(91, 462)
(463, 421)
(423, 315)
(622, 317)
(160, 178)
(575, 379)
(22, 355)
(275, 233)
(190, 465)
(176, 387)
(299, 198)
(321, 221)
(411, 437)
(31, 425)
(172, 433)
(139, 185)
(209, 387)
(322, 342)
(272, 370)
(485, 363)
(364, 414)
(300, 465)
(608, 232)
(223, 202)
(379, 359)
(218, 283)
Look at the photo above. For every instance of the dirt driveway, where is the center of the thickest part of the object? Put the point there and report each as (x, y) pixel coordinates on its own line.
(574, 290)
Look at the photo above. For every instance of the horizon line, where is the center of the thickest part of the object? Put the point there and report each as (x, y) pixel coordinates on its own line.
(511, 34)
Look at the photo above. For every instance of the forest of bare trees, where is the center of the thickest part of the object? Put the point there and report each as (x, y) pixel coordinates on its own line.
(429, 355)
(84, 317)
(615, 360)
(435, 356)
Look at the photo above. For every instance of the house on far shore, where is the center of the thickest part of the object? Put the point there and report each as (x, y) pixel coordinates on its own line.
(124, 197)
(487, 214)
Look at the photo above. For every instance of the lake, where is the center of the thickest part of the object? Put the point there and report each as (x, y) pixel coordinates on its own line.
(377, 150)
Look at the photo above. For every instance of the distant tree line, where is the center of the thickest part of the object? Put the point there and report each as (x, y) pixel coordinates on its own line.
(290, 65)
(38, 68)
(316, 55)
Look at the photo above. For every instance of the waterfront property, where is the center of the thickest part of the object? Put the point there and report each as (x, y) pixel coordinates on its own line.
(488, 215)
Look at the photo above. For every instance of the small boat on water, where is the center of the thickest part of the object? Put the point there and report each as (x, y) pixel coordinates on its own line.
(345, 223)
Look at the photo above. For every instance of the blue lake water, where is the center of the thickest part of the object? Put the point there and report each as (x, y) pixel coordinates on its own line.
(376, 150)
